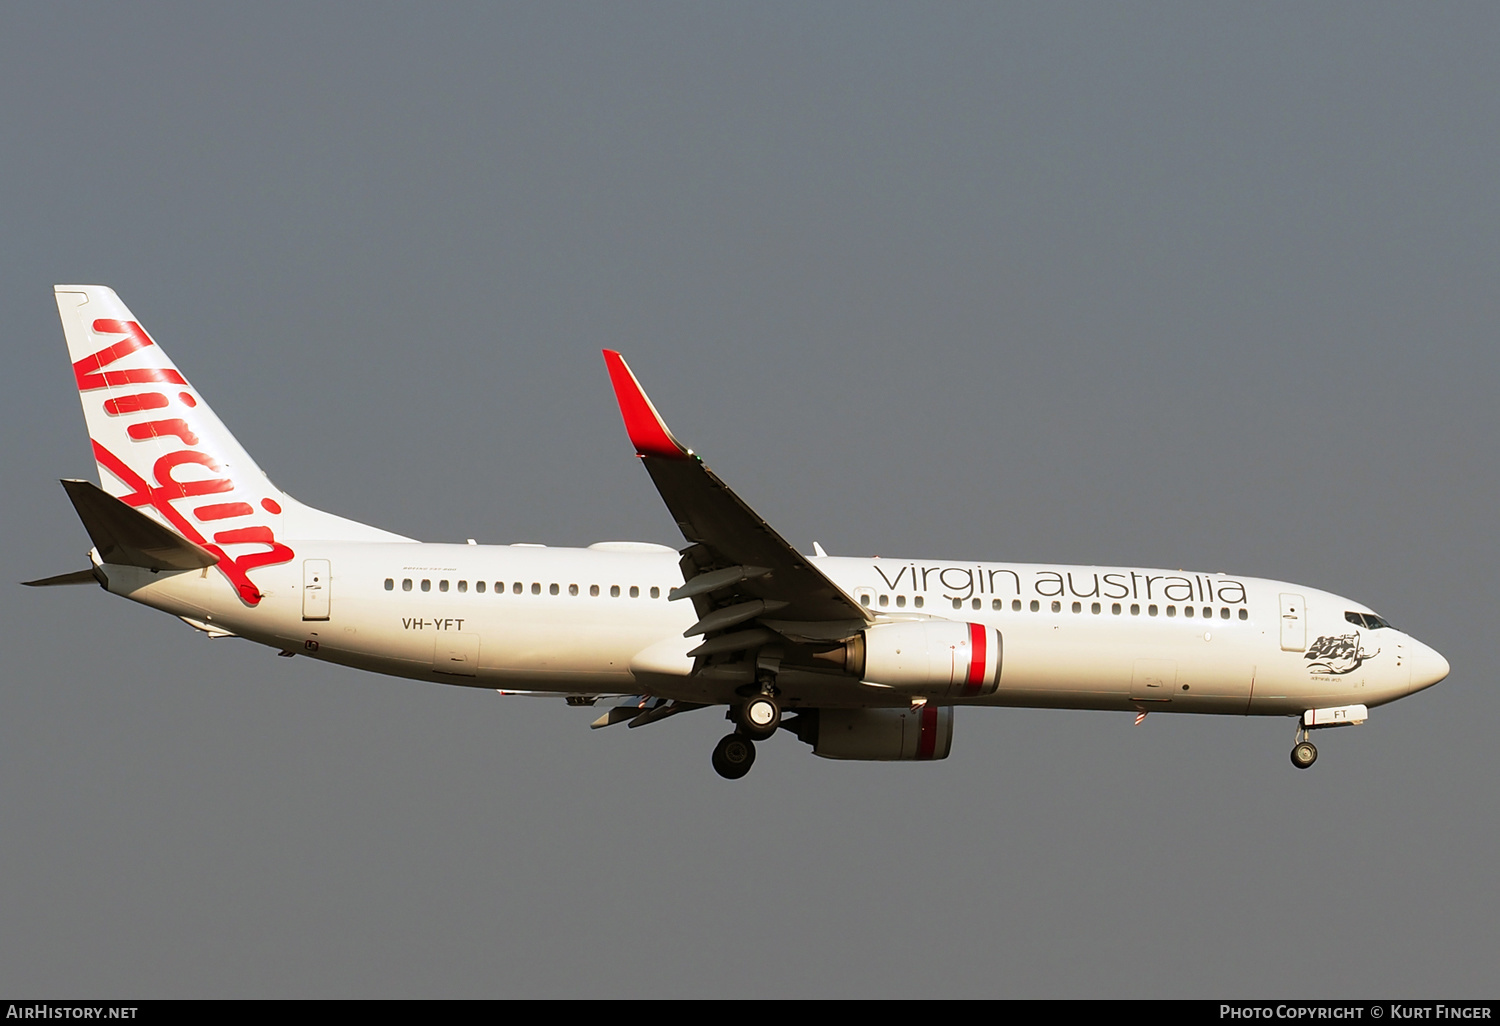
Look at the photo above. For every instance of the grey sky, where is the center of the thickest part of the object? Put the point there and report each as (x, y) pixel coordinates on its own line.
(1209, 286)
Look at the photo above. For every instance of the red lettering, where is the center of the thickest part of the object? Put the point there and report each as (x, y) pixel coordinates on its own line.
(162, 428)
(135, 403)
(182, 489)
(87, 370)
(160, 499)
(223, 511)
(278, 553)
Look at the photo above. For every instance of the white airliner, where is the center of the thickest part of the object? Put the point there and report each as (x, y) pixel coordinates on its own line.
(864, 658)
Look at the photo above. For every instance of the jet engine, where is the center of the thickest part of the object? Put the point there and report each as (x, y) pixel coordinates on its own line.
(938, 658)
(878, 735)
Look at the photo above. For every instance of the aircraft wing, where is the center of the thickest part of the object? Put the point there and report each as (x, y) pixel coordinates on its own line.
(742, 576)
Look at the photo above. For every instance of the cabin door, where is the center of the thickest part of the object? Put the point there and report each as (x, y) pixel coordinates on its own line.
(1293, 623)
(315, 591)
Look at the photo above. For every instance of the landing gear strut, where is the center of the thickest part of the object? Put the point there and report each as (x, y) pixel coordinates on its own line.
(1304, 752)
(733, 756)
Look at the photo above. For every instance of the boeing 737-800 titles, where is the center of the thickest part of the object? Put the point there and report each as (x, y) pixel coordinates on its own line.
(860, 658)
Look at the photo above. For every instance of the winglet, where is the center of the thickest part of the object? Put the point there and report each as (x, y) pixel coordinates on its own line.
(648, 432)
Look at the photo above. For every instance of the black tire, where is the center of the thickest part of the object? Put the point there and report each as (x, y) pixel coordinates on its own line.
(759, 718)
(1304, 754)
(733, 756)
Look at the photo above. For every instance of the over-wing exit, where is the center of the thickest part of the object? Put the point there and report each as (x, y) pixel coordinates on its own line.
(860, 658)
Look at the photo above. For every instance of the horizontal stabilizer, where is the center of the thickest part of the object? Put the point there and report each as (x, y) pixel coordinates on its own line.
(128, 537)
(76, 577)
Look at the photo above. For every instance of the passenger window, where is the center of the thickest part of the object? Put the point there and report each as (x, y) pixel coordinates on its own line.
(1015, 606)
(551, 589)
(1135, 609)
(1224, 613)
(901, 602)
(479, 587)
(1077, 607)
(594, 591)
(614, 591)
(635, 591)
(917, 601)
(978, 604)
(1115, 609)
(1187, 611)
(885, 600)
(1171, 610)
(536, 587)
(572, 589)
(463, 586)
(957, 603)
(442, 585)
(1096, 607)
(426, 584)
(515, 589)
(406, 584)
(1057, 607)
(864, 600)
(1151, 610)
(656, 592)
(390, 584)
(997, 605)
(1244, 614)
(1036, 606)
(1208, 613)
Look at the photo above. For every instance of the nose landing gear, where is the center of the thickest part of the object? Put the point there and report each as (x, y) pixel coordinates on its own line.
(1304, 752)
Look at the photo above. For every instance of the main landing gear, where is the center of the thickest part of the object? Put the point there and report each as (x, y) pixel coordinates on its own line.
(733, 756)
(756, 719)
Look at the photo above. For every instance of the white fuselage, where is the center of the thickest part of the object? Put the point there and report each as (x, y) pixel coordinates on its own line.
(598, 621)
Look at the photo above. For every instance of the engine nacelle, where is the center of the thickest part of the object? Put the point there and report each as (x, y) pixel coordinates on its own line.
(884, 735)
(940, 658)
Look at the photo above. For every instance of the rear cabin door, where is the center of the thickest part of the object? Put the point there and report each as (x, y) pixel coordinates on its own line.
(315, 590)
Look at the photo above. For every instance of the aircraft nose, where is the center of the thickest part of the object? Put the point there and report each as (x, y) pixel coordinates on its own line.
(1427, 667)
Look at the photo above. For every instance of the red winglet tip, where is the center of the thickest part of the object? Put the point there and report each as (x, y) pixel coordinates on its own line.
(648, 432)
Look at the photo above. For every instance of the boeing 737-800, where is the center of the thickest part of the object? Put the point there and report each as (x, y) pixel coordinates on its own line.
(861, 658)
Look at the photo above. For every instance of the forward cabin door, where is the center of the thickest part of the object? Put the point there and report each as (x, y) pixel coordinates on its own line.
(315, 590)
(1293, 623)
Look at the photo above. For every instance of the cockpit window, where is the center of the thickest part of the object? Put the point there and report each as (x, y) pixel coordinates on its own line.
(1369, 621)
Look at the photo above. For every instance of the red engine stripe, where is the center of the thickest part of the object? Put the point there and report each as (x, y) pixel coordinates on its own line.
(978, 638)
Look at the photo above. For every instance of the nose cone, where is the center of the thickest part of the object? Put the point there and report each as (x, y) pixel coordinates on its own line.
(1427, 666)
